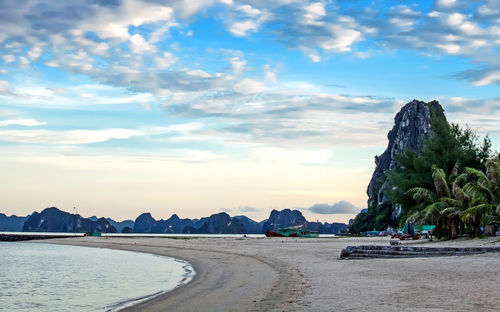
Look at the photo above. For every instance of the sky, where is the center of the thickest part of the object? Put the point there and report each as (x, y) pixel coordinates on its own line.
(201, 106)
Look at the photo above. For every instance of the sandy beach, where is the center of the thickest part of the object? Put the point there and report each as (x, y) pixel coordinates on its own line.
(263, 274)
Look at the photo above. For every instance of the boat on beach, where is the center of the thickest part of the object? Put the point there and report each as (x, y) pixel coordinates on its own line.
(292, 232)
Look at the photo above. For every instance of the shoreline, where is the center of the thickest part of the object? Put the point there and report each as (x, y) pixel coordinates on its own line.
(262, 285)
(253, 274)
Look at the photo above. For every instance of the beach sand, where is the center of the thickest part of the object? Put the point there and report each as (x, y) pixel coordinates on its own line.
(274, 274)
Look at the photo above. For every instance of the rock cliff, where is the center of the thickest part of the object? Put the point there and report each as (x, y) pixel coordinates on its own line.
(11, 223)
(283, 218)
(289, 218)
(220, 223)
(412, 125)
(144, 223)
(54, 220)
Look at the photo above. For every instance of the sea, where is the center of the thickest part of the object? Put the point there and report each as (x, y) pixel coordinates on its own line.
(43, 277)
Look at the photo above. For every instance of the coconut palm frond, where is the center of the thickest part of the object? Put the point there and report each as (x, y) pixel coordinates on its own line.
(477, 175)
(421, 194)
(476, 212)
(459, 194)
(461, 179)
(439, 177)
(478, 193)
(451, 211)
(432, 212)
(450, 202)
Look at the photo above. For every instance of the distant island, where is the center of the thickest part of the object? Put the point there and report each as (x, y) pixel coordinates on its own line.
(53, 219)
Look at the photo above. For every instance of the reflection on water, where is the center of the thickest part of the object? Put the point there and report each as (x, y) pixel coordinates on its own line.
(41, 277)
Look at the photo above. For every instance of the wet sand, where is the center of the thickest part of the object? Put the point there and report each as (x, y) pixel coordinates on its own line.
(274, 274)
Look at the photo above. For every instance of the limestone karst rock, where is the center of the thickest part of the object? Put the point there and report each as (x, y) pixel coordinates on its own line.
(412, 125)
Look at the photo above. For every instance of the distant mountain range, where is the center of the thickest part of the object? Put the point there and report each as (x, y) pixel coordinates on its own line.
(11, 223)
(54, 220)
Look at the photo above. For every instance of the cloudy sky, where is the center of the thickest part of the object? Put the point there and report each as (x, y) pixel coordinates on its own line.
(200, 106)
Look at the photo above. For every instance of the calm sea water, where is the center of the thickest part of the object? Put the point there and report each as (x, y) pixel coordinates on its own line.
(42, 277)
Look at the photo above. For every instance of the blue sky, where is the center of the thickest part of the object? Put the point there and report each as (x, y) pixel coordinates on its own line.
(196, 107)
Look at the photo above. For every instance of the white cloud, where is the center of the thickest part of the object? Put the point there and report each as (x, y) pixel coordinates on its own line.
(342, 39)
(270, 74)
(112, 23)
(313, 13)
(8, 58)
(341, 207)
(247, 85)
(450, 48)
(87, 136)
(139, 45)
(315, 57)
(238, 64)
(240, 29)
(199, 73)
(249, 10)
(455, 19)
(445, 3)
(4, 86)
(22, 122)
(35, 52)
(489, 78)
(70, 137)
(166, 60)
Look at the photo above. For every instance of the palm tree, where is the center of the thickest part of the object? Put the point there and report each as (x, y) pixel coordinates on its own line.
(470, 199)
(484, 190)
(443, 206)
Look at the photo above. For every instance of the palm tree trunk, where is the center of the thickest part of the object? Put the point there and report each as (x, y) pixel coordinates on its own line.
(454, 230)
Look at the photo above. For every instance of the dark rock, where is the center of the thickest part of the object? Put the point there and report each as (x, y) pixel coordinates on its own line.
(175, 224)
(54, 220)
(290, 218)
(190, 230)
(412, 125)
(332, 228)
(251, 226)
(144, 223)
(283, 218)
(198, 223)
(120, 225)
(11, 223)
(220, 223)
(102, 225)
(127, 230)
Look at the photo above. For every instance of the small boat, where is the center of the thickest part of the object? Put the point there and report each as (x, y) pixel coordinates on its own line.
(291, 232)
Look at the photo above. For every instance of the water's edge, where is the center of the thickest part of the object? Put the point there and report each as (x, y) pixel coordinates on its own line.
(186, 277)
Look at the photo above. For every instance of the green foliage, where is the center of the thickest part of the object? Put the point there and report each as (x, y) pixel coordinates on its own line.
(376, 218)
(448, 148)
(472, 203)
